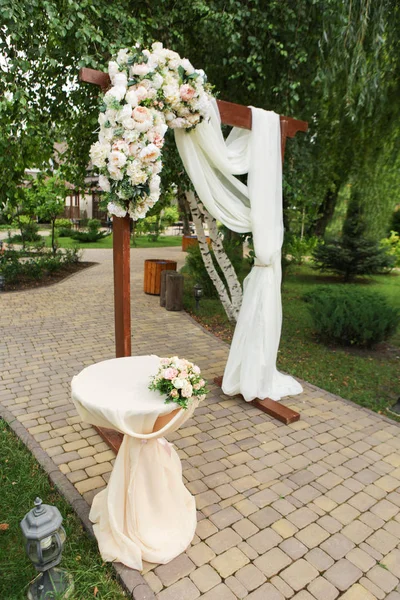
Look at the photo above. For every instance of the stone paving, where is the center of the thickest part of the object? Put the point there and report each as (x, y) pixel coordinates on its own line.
(305, 511)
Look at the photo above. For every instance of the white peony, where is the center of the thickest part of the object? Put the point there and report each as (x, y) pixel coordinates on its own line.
(114, 93)
(110, 115)
(121, 146)
(158, 81)
(141, 93)
(155, 182)
(156, 167)
(115, 173)
(187, 65)
(157, 46)
(128, 123)
(99, 153)
(113, 69)
(178, 383)
(171, 93)
(130, 135)
(140, 69)
(102, 119)
(136, 173)
(178, 123)
(132, 98)
(106, 135)
(150, 153)
(122, 56)
(125, 112)
(116, 209)
(187, 390)
(120, 80)
(117, 158)
(104, 183)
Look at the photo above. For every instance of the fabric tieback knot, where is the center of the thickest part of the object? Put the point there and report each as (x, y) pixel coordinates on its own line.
(163, 442)
(258, 263)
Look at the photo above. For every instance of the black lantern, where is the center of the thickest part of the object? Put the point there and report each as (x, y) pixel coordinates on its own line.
(44, 539)
(198, 293)
(2, 283)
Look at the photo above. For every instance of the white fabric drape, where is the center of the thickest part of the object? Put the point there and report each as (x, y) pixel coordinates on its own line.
(145, 513)
(212, 163)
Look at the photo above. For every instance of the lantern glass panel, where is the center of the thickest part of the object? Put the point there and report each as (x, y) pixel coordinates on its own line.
(50, 547)
(62, 534)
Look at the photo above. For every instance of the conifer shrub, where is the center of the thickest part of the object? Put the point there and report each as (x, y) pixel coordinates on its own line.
(93, 233)
(354, 254)
(350, 316)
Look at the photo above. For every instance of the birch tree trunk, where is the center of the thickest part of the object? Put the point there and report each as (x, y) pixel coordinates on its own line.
(235, 289)
(231, 302)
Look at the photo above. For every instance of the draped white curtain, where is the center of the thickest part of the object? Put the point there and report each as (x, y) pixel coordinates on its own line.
(212, 163)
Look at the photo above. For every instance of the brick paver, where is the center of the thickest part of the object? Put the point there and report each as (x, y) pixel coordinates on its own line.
(306, 511)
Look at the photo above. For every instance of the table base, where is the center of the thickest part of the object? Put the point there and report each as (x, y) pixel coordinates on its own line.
(145, 513)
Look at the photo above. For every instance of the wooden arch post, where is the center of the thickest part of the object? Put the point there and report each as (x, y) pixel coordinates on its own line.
(232, 114)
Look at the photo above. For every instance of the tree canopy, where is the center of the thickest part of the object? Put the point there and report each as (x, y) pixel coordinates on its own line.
(331, 62)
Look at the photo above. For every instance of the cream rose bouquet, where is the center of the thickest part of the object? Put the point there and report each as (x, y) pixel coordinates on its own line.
(180, 380)
(151, 91)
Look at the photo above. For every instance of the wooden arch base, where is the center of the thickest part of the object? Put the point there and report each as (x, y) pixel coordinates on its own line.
(271, 407)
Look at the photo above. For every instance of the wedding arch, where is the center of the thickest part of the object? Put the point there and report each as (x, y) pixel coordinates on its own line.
(147, 90)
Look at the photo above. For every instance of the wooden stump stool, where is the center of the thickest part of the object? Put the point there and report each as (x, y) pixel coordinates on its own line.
(174, 291)
(164, 275)
(152, 274)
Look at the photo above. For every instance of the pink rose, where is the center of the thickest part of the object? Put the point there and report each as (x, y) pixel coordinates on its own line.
(186, 92)
(196, 370)
(174, 393)
(183, 374)
(170, 373)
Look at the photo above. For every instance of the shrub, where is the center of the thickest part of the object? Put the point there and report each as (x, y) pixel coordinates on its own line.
(63, 228)
(18, 266)
(93, 233)
(29, 230)
(391, 245)
(151, 226)
(63, 223)
(296, 249)
(350, 316)
(170, 216)
(194, 266)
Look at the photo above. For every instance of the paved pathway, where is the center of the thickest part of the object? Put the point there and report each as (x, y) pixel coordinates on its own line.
(305, 511)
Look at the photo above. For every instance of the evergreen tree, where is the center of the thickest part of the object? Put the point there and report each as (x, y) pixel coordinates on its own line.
(354, 254)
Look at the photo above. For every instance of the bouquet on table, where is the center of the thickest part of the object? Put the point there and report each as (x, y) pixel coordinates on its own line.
(180, 380)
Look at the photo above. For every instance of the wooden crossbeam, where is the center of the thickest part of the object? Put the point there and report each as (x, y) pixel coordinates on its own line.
(232, 114)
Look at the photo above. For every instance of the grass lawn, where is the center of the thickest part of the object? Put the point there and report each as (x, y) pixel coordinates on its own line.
(370, 378)
(140, 242)
(22, 480)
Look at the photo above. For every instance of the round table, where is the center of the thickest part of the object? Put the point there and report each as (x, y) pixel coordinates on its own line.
(145, 513)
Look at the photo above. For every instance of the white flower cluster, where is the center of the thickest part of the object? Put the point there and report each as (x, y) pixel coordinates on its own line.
(180, 380)
(151, 91)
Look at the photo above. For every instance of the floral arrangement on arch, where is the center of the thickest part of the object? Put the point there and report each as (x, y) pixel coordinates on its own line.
(180, 380)
(151, 91)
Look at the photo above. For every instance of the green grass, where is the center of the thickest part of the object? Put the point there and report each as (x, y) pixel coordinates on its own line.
(141, 242)
(369, 378)
(21, 480)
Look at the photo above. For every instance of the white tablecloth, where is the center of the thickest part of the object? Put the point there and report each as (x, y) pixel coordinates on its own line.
(145, 513)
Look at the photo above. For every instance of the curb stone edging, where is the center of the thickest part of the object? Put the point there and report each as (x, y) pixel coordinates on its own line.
(132, 581)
